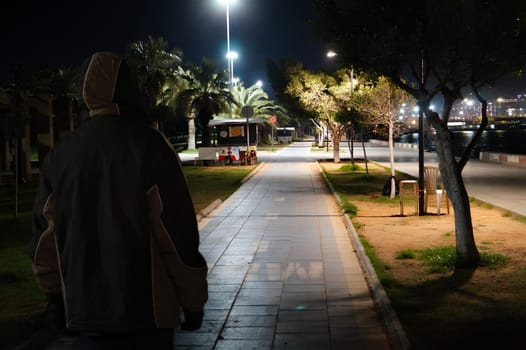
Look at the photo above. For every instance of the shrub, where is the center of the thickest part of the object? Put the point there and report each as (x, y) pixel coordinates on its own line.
(405, 254)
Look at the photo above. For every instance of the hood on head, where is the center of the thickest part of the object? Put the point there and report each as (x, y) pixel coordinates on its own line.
(108, 87)
(99, 84)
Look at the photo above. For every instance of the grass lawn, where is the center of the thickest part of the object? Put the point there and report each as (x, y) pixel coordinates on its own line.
(440, 307)
(22, 306)
(208, 183)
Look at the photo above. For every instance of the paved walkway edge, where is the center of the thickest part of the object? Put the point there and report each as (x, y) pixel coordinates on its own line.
(390, 319)
(206, 211)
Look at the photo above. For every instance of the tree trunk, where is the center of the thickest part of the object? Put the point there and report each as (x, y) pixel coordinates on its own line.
(206, 136)
(336, 147)
(350, 144)
(365, 155)
(467, 253)
(191, 132)
(391, 159)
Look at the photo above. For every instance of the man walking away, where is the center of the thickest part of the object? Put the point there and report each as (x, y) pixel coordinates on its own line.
(115, 234)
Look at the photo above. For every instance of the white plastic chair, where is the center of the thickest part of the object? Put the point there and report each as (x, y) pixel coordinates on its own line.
(434, 187)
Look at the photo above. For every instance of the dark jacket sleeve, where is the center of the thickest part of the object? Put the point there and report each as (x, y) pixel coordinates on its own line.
(42, 247)
(173, 218)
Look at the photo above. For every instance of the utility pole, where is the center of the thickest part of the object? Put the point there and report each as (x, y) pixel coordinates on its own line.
(421, 187)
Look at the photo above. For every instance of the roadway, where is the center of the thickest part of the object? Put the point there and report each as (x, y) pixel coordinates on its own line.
(501, 185)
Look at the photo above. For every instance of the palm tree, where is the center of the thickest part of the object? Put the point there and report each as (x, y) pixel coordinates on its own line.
(153, 65)
(255, 97)
(181, 81)
(207, 94)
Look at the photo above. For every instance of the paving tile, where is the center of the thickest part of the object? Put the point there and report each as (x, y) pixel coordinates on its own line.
(195, 339)
(304, 288)
(302, 315)
(220, 300)
(303, 271)
(266, 292)
(303, 301)
(341, 316)
(258, 300)
(248, 333)
(225, 288)
(339, 296)
(264, 277)
(302, 341)
(215, 315)
(359, 338)
(194, 347)
(235, 260)
(241, 310)
(234, 344)
(261, 285)
(210, 327)
(251, 321)
(276, 259)
(267, 267)
(300, 326)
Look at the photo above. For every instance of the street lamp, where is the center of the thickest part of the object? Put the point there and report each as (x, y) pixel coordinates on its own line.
(231, 56)
(229, 53)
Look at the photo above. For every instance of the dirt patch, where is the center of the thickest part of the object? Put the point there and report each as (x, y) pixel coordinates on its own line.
(381, 224)
(390, 233)
(465, 309)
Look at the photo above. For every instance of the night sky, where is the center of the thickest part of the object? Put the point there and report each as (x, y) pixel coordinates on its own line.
(65, 32)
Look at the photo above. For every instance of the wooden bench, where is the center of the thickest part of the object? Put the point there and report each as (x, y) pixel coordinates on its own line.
(206, 153)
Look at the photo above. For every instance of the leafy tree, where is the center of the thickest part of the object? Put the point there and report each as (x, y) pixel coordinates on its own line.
(296, 114)
(327, 96)
(434, 49)
(206, 95)
(59, 82)
(381, 104)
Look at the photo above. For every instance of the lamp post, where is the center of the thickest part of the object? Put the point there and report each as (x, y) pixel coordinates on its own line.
(330, 55)
(421, 184)
(230, 55)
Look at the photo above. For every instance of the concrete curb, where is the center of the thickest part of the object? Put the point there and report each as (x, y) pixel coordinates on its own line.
(206, 211)
(253, 172)
(390, 319)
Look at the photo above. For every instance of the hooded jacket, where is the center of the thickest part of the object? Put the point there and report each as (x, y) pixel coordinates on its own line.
(114, 225)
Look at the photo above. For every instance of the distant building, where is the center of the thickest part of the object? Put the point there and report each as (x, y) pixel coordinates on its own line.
(511, 107)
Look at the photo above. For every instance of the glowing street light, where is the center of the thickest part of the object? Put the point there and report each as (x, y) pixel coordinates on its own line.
(331, 54)
(259, 83)
(232, 55)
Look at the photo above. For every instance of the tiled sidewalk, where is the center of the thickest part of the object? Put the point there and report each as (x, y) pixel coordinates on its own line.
(283, 272)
